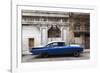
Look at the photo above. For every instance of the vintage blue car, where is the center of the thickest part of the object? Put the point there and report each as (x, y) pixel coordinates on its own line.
(57, 48)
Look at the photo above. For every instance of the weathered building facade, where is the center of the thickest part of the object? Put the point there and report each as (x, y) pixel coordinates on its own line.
(81, 29)
(42, 27)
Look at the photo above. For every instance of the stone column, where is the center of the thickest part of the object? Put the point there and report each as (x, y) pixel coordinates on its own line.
(43, 35)
(65, 33)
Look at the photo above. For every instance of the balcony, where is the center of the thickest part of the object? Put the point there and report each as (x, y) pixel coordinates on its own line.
(82, 30)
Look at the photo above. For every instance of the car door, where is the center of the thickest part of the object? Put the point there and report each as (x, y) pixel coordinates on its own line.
(52, 48)
(59, 49)
(55, 49)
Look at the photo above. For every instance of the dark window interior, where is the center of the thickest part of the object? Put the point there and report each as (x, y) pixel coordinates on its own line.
(54, 31)
(76, 35)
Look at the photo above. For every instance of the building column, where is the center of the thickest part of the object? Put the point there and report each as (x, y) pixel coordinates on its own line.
(43, 30)
(65, 33)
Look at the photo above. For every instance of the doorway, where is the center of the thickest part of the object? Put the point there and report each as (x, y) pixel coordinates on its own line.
(31, 43)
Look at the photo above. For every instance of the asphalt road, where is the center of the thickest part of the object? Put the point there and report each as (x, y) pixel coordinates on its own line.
(33, 58)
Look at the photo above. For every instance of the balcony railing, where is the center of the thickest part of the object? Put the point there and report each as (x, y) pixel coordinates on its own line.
(82, 30)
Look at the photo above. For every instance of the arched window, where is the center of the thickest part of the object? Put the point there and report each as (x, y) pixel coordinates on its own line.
(54, 32)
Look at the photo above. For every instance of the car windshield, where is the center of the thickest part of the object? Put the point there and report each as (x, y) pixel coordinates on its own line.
(48, 45)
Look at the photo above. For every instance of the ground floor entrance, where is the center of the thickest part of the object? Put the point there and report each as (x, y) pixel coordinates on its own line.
(31, 43)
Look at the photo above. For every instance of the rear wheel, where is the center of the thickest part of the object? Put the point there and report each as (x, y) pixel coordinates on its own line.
(76, 54)
(44, 55)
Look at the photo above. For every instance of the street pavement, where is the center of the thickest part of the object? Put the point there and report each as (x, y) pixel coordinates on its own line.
(34, 58)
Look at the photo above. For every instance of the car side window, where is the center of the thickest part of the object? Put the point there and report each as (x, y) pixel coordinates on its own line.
(55, 44)
(52, 45)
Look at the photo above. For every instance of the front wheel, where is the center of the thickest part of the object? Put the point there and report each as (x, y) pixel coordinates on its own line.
(76, 54)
